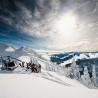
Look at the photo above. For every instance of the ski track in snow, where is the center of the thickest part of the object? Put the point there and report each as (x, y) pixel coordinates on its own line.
(50, 77)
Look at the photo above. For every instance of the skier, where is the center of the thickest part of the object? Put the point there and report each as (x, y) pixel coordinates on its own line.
(39, 68)
(23, 64)
(34, 67)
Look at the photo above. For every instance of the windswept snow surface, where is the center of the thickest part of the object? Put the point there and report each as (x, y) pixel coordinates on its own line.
(43, 85)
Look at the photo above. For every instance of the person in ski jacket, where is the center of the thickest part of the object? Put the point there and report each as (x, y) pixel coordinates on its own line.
(34, 67)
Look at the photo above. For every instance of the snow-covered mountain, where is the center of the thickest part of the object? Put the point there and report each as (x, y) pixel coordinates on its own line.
(58, 58)
(66, 58)
(6, 50)
(49, 62)
(65, 64)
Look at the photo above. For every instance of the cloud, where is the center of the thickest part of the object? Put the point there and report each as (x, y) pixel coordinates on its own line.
(35, 23)
(83, 45)
(36, 18)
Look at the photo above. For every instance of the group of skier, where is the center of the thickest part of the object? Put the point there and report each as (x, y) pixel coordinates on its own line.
(34, 67)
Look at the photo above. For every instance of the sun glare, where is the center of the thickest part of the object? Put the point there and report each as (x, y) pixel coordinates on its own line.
(65, 25)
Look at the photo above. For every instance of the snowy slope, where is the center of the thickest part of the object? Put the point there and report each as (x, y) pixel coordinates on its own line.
(45, 85)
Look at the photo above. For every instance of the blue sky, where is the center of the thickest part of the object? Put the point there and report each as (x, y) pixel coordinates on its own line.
(11, 36)
(70, 25)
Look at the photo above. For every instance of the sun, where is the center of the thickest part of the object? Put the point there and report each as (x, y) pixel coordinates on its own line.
(66, 23)
(65, 28)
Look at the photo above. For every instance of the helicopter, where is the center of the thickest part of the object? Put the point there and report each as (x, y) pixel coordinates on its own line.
(9, 64)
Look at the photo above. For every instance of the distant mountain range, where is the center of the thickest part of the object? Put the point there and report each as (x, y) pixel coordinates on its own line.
(68, 56)
(8, 50)
(61, 58)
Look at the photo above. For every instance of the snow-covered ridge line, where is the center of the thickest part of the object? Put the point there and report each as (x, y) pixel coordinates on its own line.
(67, 57)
